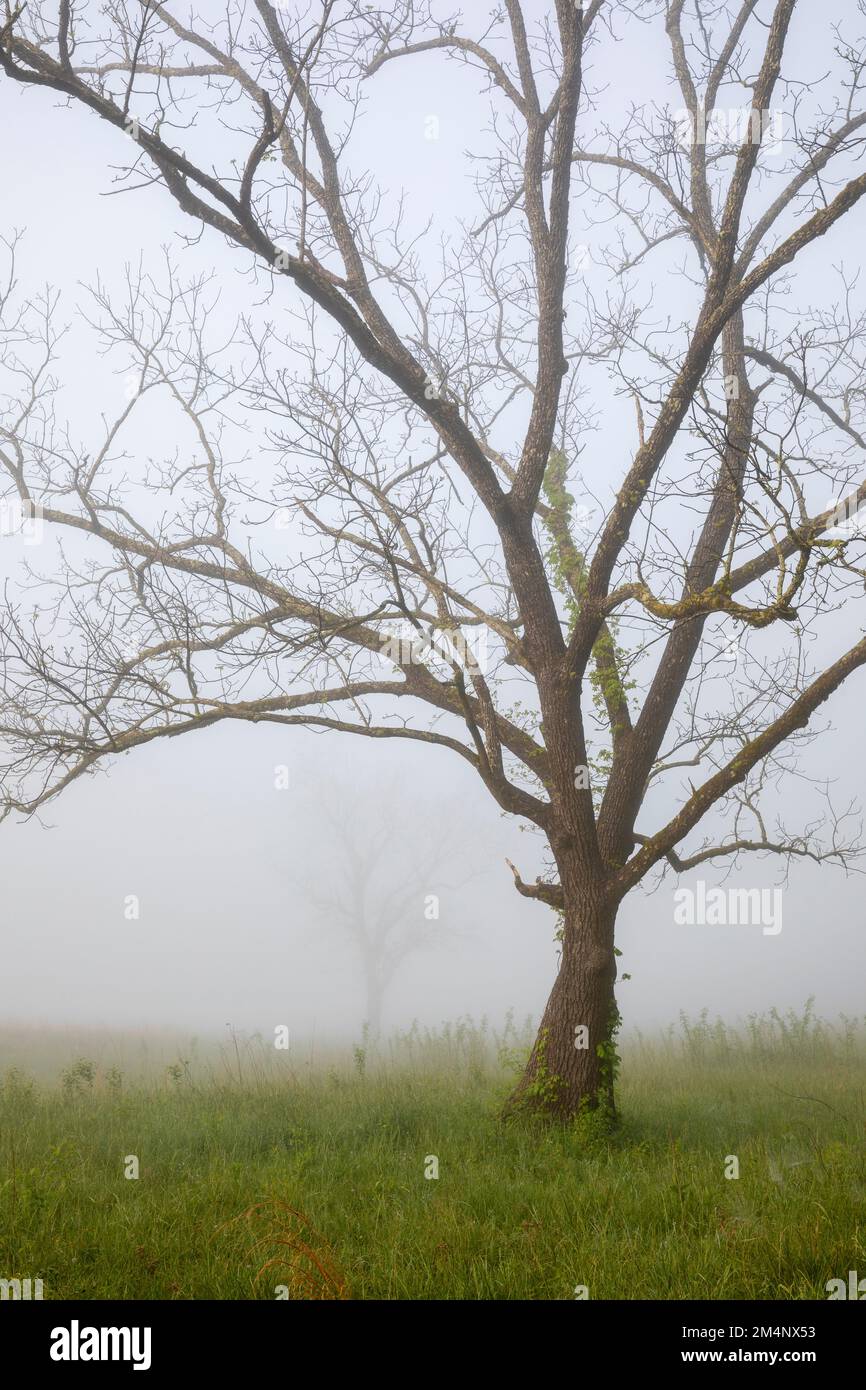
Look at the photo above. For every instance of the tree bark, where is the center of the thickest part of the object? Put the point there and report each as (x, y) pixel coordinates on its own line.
(572, 1066)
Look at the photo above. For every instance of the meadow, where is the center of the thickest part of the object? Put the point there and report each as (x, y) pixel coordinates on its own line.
(308, 1175)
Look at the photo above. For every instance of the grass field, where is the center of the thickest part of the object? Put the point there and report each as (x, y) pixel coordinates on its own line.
(264, 1175)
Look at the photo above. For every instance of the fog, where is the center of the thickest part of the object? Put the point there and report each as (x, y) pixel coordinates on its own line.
(217, 857)
(225, 865)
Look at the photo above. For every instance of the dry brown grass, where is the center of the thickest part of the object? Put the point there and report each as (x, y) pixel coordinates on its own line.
(305, 1262)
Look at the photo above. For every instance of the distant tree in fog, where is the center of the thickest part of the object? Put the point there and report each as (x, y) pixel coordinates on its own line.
(383, 885)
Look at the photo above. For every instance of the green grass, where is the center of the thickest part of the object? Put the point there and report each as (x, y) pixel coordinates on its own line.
(257, 1171)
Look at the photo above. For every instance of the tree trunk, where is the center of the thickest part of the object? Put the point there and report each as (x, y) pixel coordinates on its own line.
(572, 1066)
(375, 996)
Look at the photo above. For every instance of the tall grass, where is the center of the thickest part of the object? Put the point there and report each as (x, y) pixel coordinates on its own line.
(302, 1174)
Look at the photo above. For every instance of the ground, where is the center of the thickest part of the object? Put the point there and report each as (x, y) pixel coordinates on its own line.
(265, 1175)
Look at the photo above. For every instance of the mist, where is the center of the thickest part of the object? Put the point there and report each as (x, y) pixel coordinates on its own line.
(217, 856)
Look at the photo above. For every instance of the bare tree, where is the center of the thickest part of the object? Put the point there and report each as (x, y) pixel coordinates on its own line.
(383, 893)
(423, 446)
